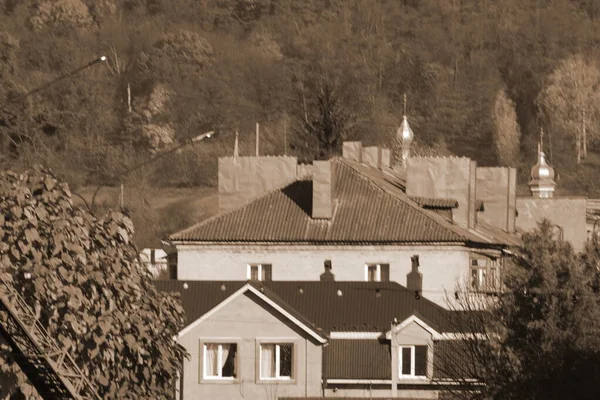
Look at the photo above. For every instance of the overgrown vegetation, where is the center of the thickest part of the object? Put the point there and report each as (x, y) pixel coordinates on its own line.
(82, 276)
(542, 328)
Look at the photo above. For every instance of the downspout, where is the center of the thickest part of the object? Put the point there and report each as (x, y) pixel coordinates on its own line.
(305, 367)
(323, 368)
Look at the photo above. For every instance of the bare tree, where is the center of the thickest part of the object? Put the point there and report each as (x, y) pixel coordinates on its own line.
(507, 133)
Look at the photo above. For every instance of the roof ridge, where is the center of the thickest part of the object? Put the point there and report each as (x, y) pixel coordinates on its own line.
(225, 213)
(405, 199)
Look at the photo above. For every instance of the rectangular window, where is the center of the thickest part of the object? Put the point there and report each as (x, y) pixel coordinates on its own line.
(276, 360)
(412, 361)
(259, 272)
(483, 275)
(377, 272)
(220, 360)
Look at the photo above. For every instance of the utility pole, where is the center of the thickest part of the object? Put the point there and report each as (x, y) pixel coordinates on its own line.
(257, 138)
(285, 134)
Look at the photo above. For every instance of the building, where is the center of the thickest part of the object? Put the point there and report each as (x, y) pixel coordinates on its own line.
(312, 339)
(572, 216)
(279, 220)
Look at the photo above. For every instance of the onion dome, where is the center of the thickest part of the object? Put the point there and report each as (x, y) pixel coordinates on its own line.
(405, 133)
(542, 182)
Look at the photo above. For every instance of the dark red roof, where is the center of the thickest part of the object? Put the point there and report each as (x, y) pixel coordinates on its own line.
(358, 359)
(361, 307)
(369, 208)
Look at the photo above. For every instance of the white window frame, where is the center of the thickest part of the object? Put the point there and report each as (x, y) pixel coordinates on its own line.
(277, 362)
(377, 272)
(412, 364)
(260, 272)
(219, 359)
(492, 277)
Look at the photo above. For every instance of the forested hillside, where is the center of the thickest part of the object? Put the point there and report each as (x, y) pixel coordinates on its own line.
(480, 78)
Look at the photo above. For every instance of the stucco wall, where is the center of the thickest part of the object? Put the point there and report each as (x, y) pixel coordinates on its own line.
(442, 268)
(245, 320)
(569, 213)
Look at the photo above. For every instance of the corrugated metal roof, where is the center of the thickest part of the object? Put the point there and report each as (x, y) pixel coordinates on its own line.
(368, 208)
(361, 307)
(357, 359)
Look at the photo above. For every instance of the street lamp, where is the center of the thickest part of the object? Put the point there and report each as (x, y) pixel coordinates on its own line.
(189, 141)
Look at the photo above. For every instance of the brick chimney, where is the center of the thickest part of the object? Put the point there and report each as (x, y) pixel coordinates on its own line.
(322, 199)
(414, 279)
(327, 276)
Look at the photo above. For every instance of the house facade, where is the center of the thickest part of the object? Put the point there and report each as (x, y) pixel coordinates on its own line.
(311, 339)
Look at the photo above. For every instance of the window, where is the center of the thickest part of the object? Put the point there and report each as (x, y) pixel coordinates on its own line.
(484, 274)
(220, 360)
(276, 360)
(413, 361)
(259, 272)
(377, 272)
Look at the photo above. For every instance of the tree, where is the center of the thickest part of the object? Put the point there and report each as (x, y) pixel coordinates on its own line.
(507, 134)
(328, 124)
(543, 329)
(570, 100)
(95, 298)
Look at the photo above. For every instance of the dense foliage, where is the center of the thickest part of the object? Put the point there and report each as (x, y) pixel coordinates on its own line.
(93, 296)
(194, 66)
(543, 328)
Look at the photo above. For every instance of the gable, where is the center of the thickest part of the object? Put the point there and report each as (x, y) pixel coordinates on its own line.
(266, 302)
(245, 315)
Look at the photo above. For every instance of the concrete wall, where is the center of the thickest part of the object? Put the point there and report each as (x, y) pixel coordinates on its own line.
(445, 178)
(569, 213)
(441, 268)
(245, 320)
(496, 187)
(243, 179)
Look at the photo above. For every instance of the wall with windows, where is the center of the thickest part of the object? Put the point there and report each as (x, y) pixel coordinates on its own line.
(246, 350)
(442, 267)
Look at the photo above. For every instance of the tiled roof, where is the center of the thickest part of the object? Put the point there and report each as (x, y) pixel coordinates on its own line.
(368, 208)
(358, 359)
(361, 307)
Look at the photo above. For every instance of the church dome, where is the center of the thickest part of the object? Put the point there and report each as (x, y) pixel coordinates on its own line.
(405, 133)
(542, 171)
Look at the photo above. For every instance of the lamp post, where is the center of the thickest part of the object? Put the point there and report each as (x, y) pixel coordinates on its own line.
(192, 140)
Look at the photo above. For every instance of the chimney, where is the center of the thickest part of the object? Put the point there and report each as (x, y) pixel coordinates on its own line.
(327, 276)
(414, 279)
(322, 197)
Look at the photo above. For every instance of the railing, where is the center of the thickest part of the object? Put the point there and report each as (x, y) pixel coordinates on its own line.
(51, 370)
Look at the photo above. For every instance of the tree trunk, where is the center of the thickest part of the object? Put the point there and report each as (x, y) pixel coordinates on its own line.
(584, 134)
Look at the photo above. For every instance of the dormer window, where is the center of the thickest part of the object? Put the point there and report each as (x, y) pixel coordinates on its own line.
(377, 272)
(259, 272)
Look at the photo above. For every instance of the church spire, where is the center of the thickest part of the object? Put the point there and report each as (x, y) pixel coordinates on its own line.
(236, 146)
(542, 182)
